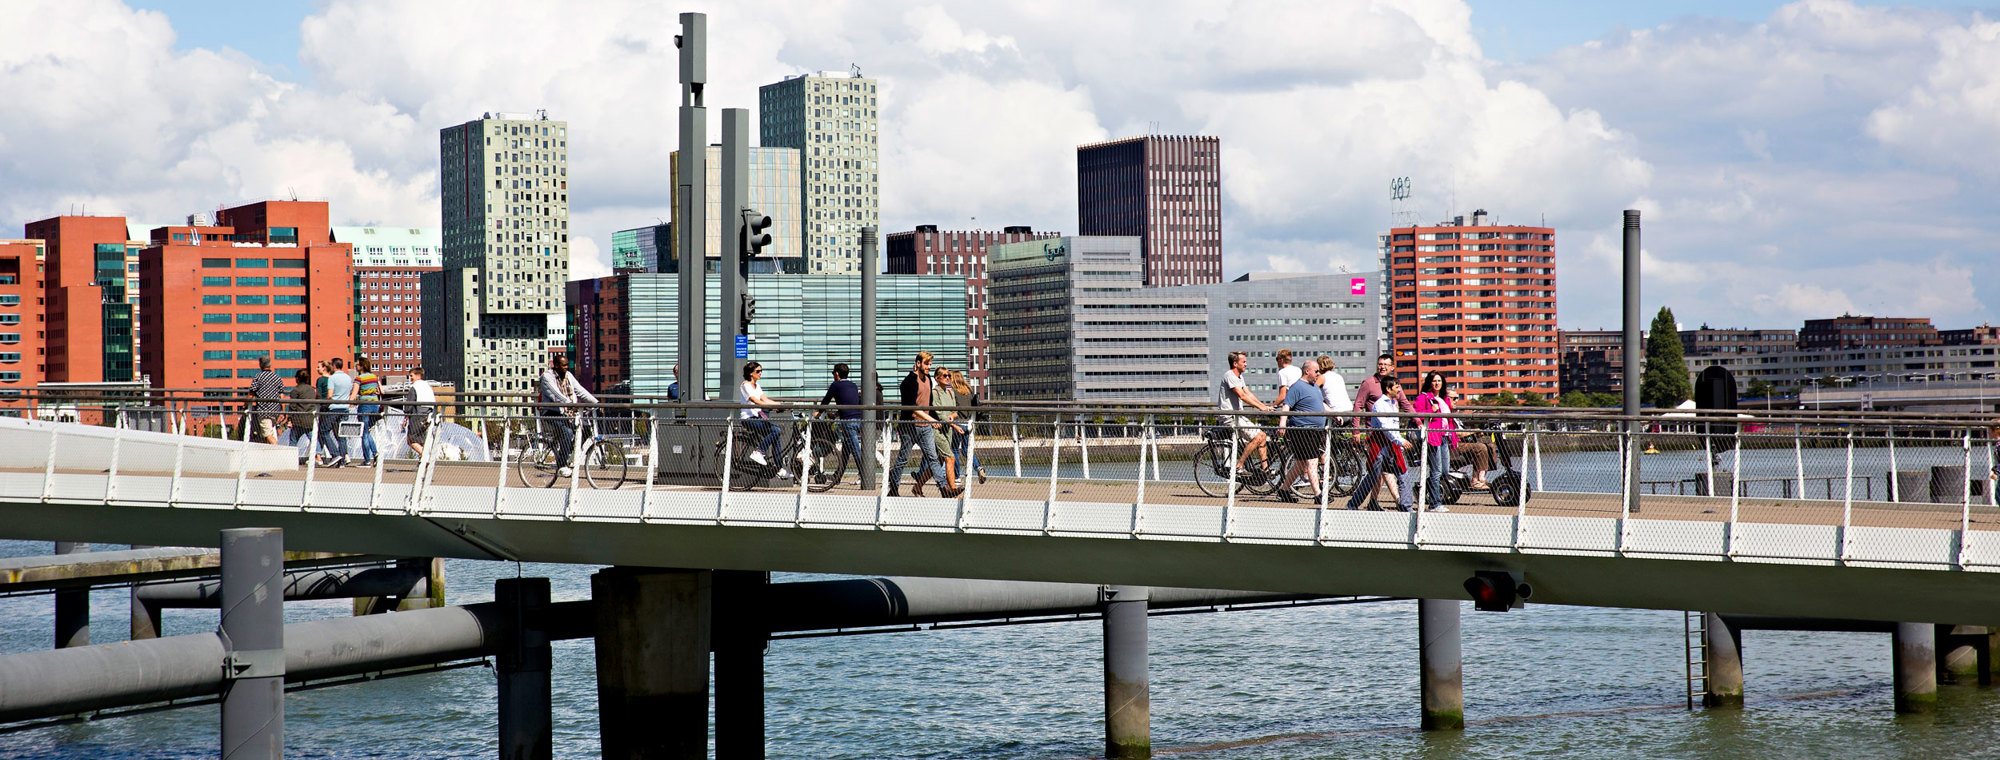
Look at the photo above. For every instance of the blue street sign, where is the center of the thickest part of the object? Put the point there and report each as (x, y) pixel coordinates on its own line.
(742, 346)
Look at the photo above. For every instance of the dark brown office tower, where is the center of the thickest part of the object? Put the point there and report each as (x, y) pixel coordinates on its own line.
(1165, 190)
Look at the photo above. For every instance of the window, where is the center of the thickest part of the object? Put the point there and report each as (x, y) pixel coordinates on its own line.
(291, 354)
(253, 300)
(287, 300)
(215, 263)
(253, 263)
(252, 319)
(291, 337)
(290, 282)
(215, 319)
(253, 337)
(250, 372)
(251, 355)
(215, 356)
(290, 318)
(291, 263)
(223, 374)
(286, 235)
(10, 300)
(10, 337)
(218, 301)
(215, 282)
(10, 357)
(252, 282)
(216, 337)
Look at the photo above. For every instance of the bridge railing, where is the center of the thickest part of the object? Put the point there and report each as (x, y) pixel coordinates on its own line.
(1910, 489)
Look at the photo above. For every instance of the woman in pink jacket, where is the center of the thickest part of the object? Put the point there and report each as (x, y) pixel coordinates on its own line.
(1441, 435)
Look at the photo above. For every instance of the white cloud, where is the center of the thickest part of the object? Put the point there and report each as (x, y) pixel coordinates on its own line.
(1951, 118)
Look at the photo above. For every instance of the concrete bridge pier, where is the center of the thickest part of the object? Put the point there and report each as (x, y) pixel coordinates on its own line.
(145, 615)
(433, 569)
(652, 662)
(1725, 663)
(526, 723)
(1128, 706)
(1965, 654)
(72, 607)
(742, 633)
(253, 635)
(1915, 646)
(1440, 675)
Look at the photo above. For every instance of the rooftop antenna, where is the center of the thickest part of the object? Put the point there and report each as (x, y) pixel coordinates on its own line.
(854, 70)
(1152, 127)
(1400, 214)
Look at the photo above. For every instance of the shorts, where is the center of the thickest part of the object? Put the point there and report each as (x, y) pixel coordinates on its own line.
(1305, 443)
(417, 427)
(1246, 430)
(267, 429)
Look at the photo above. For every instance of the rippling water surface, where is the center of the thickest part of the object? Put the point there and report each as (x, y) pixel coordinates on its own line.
(1326, 682)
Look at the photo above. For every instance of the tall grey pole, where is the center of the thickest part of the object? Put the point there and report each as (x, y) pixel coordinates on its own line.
(72, 607)
(691, 195)
(1634, 354)
(1441, 681)
(1128, 705)
(870, 267)
(735, 197)
(526, 721)
(253, 641)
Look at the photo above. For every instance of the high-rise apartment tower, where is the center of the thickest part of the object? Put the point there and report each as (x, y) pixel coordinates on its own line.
(1476, 300)
(830, 118)
(1165, 190)
(505, 191)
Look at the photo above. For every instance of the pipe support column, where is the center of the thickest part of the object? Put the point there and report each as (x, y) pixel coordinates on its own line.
(1441, 675)
(1725, 663)
(72, 607)
(1128, 706)
(145, 615)
(741, 633)
(253, 640)
(652, 662)
(526, 722)
(1915, 669)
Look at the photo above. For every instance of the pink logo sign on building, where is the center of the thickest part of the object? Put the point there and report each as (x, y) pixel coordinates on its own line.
(1357, 286)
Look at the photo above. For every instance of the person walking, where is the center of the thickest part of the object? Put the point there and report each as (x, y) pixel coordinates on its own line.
(266, 411)
(945, 397)
(302, 413)
(1385, 448)
(1287, 374)
(962, 443)
(557, 389)
(368, 395)
(423, 403)
(1332, 387)
(1305, 433)
(1440, 436)
(339, 390)
(1233, 395)
(756, 422)
(846, 395)
(916, 427)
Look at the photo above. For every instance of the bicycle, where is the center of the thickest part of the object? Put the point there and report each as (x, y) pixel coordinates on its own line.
(604, 463)
(822, 470)
(1259, 476)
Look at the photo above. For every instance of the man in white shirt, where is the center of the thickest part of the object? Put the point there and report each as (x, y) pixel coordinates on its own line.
(1234, 394)
(558, 386)
(1287, 374)
(417, 418)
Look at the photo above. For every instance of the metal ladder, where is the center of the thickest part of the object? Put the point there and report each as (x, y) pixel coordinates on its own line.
(1695, 629)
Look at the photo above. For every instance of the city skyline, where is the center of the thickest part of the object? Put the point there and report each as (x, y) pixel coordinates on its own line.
(1793, 161)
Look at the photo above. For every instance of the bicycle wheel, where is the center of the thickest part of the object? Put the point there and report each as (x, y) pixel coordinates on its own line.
(537, 466)
(745, 473)
(604, 465)
(829, 463)
(1347, 469)
(1211, 469)
(1266, 472)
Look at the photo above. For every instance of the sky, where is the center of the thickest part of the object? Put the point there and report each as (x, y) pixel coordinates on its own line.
(1791, 160)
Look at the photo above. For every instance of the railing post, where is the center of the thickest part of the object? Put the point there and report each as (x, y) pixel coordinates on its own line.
(653, 464)
(1145, 432)
(506, 441)
(575, 465)
(1965, 506)
(1847, 509)
(49, 472)
(1708, 454)
(420, 485)
(1016, 425)
(1083, 444)
(965, 469)
(805, 463)
(117, 437)
(729, 466)
(1895, 489)
(1055, 458)
(375, 483)
(1325, 479)
(1799, 457)
(1735, 496)
(1631, 490)
(180, 458)
(1229, 488)
(1535, 438)
(243, 470)
(1521, 504)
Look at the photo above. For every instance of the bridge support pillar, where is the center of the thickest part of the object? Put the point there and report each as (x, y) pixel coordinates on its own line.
(526, 723)
(433, 569)
(1725, 663)
(741, 636)
(652, 662)
(1441, 677)
(72, 607)
(1965, 654)
(1128, 706)
(145, 615)
(253, 635)
(1915, 669)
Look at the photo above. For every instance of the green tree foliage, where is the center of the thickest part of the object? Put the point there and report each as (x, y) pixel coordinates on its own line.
(1532, 398)
(1760, 389)
(1666, 382)
(1585, 400)
(1506, 398)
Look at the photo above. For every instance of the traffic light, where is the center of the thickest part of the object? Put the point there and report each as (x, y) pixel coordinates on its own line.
(755, 239)
(1497, 590)
(749, 312)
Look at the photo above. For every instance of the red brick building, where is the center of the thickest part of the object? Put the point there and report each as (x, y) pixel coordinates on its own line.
(1850, 331)
(22, 328)
(926, 250)
(265, 280)
(1164, 189)
(389, 263)
(90, 322)
(1477, 301)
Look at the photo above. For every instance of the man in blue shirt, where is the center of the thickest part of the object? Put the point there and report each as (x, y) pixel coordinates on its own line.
(1305, 433)
(339, 388)
(847, 395)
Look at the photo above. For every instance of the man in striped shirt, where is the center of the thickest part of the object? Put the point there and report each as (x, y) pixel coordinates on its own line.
(268, 408)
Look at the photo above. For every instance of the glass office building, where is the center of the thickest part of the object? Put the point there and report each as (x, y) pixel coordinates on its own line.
(805, 324)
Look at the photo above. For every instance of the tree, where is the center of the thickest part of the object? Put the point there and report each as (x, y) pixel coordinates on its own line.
(1532, 398)
(1760, 389)
(1666, 383)
(1505, 398)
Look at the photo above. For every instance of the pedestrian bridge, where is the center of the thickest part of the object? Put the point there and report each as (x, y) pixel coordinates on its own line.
(1858, 517)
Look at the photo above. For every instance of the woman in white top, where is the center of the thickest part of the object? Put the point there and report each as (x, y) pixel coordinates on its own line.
(754, 423)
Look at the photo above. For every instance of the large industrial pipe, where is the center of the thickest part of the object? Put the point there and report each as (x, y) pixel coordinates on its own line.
(865, 602)
(300, 585)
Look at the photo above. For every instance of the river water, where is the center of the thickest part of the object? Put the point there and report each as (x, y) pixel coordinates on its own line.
(1320, 682)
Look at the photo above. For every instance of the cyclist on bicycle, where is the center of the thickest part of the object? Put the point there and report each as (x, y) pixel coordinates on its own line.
(754, 421)
(846, 394)
(558, 386)
(1234, 394)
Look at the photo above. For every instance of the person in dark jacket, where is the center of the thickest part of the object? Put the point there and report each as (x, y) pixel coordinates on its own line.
(918, 427)
(847, 395)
